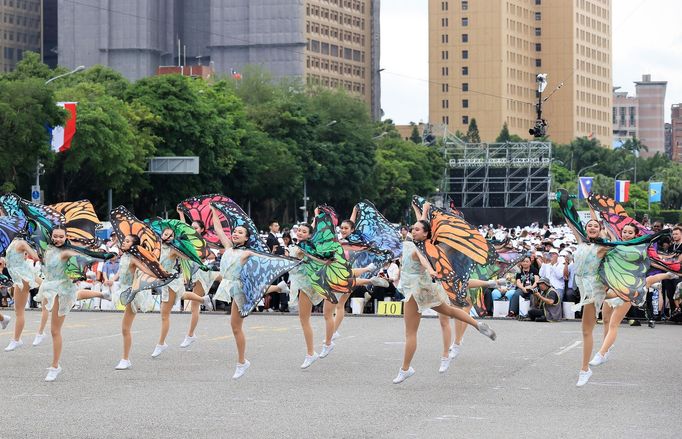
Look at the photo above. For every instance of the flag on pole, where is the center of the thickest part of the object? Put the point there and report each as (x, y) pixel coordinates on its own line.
(655, 191)
(584, 187)
(61, 136)
(622, 191)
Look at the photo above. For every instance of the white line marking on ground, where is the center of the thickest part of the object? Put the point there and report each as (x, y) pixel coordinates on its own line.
(80, 340)
(613, 384)
(568, 348)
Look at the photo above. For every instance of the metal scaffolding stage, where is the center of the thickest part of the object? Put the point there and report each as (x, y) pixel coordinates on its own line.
(506, 183)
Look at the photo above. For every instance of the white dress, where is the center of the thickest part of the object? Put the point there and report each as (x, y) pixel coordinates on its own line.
(230, 287)
(19, 268)
(142, 301)
(56, 283)
(587, 278)
(301, 282)
(177, 285)
(416, 282)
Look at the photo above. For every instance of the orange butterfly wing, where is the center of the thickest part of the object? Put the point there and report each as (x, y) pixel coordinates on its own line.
(81, 220)
(460, 236)
(605, 205)
(149, 250)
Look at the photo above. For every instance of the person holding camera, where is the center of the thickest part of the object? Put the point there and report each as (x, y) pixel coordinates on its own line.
(545, 303)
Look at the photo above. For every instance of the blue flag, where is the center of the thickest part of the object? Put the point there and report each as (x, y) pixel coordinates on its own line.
(655, 191)
(584, 187)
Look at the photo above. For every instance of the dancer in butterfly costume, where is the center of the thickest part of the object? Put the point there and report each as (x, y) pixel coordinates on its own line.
(139, 271)
(605, 271)
(323, 272)
(80, 221)
(369, 242)
(197, 212)
(424, 261)
(179, 250)
(61, 264)
(620, 226)
(489, 275)
(247, 270)
(23, 276)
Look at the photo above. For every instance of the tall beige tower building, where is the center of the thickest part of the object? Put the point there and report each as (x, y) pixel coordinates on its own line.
(343, 47)
(20, 24)
(484, 57)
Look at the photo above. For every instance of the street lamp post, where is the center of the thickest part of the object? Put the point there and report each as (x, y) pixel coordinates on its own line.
(648, 191)
(622, 172)
(586, 168)
(76, 70)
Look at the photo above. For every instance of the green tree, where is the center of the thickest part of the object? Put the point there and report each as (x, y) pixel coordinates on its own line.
(402, 170)
(109, 150)
(473, 136)
(27, 106)
(505, 136)
(415, 137)
(192, 118)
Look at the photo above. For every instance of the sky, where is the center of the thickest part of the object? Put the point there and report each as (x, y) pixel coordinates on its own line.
(647, 38)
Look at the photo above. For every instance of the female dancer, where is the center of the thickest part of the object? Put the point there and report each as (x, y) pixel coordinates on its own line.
(332, 323)
(202, 284)
(127, 276)
(24, 278)
(230, 289)
(173, 292)
(303, 294)
(59, 292)
(613, 314)
(421, 292)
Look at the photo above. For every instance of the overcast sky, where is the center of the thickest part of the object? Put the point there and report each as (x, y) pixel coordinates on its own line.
(647, 38)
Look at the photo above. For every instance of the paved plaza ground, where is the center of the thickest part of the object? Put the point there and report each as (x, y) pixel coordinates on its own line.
(522, 385)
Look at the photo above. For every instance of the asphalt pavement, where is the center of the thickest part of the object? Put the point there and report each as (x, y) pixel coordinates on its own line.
(522, 385)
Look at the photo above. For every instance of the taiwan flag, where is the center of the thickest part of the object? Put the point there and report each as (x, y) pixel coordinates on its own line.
(584, 187)
(622, 191)
(61, 136)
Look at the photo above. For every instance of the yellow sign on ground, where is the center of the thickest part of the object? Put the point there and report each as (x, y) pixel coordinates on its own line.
(389, 308)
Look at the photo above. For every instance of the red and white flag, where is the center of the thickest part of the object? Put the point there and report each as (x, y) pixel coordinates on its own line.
(622, 191)
(62, 135)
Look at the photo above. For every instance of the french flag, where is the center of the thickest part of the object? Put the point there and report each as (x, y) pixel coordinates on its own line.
(62, 135)
(622, 191)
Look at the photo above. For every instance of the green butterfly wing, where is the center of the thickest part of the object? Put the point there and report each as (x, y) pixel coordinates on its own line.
(324, 242)
(624, 270)
(187, 241)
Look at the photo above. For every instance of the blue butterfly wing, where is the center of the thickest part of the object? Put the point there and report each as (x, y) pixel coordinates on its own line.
(10, 205)
(10, 227)
(258, 273)
(376, 230)
(238, 218)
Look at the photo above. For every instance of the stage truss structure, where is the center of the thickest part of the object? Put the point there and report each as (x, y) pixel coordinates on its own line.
(497, 175)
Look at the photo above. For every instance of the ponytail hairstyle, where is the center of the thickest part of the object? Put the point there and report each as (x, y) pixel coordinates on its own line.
(202, 225)
(59, 227)
(427, 227)
(351, 223)
(307, 226)
(634, 227)
(135, 239)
